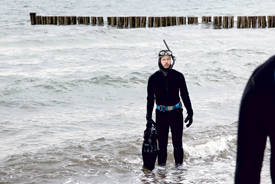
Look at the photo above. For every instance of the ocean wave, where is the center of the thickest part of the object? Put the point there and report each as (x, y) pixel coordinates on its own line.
(33, 92)
(70, 159)
(108, 158)
(219, 147)
(215, 143)
(127, 81)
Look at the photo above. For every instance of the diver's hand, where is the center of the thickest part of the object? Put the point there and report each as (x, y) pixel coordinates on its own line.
(150, 122)
(190, 119)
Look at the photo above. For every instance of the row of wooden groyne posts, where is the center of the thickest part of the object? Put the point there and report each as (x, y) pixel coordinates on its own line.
(141, 21)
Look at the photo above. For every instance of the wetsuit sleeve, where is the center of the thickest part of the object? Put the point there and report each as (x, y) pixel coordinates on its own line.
(251, 137)
(150, 99)
(185, 97)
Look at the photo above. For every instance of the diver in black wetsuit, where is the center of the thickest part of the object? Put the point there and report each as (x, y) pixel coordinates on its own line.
(256, 122)
(164, 86)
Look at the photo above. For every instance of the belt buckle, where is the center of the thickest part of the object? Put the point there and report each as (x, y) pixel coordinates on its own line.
(169, 108)
(162, 108)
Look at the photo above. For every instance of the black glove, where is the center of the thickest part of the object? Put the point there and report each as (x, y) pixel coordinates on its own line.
(150, 122)
(190, 119)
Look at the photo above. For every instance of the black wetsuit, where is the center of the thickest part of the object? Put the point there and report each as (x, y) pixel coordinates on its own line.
(166, 90)
(256, 122)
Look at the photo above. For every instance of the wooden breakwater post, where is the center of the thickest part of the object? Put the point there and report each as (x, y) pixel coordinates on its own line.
(137, 22)
(206, 19)
(43, 20)
(217, 22)
(225, 22)
(33, 18)
(73, 20)
(181, 20)
(168, 21)
(108, 21)
(156, 21)
(132, 22)
(54, 20)
(174, 21)
(49, 20)
(67, 20)
(143, 22)
(190, 20)
(254, 21)
(80, 20)
(86, 20)
(242, 22)
(196, 20)
(100, 21)
(38, 19)
(93, 20)
(120, 22)
(228, 22)
(193, 20)
(113, 21)
(61, 20)
(163, 21)
(271, 21)
(150, 22)
(261, 21)
(239, 22)
(126, 22)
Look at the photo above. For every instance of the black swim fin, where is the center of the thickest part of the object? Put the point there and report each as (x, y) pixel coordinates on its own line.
(150, 148)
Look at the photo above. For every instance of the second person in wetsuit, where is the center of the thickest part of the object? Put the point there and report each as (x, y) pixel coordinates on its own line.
(256, 124)
(165, 87)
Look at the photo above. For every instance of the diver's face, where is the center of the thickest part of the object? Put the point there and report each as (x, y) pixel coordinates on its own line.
(166, 61)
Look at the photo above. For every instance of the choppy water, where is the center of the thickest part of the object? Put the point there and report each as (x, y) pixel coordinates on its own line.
(73, 98)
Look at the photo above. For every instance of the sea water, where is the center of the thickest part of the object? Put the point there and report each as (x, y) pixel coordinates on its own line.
(73, 98)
